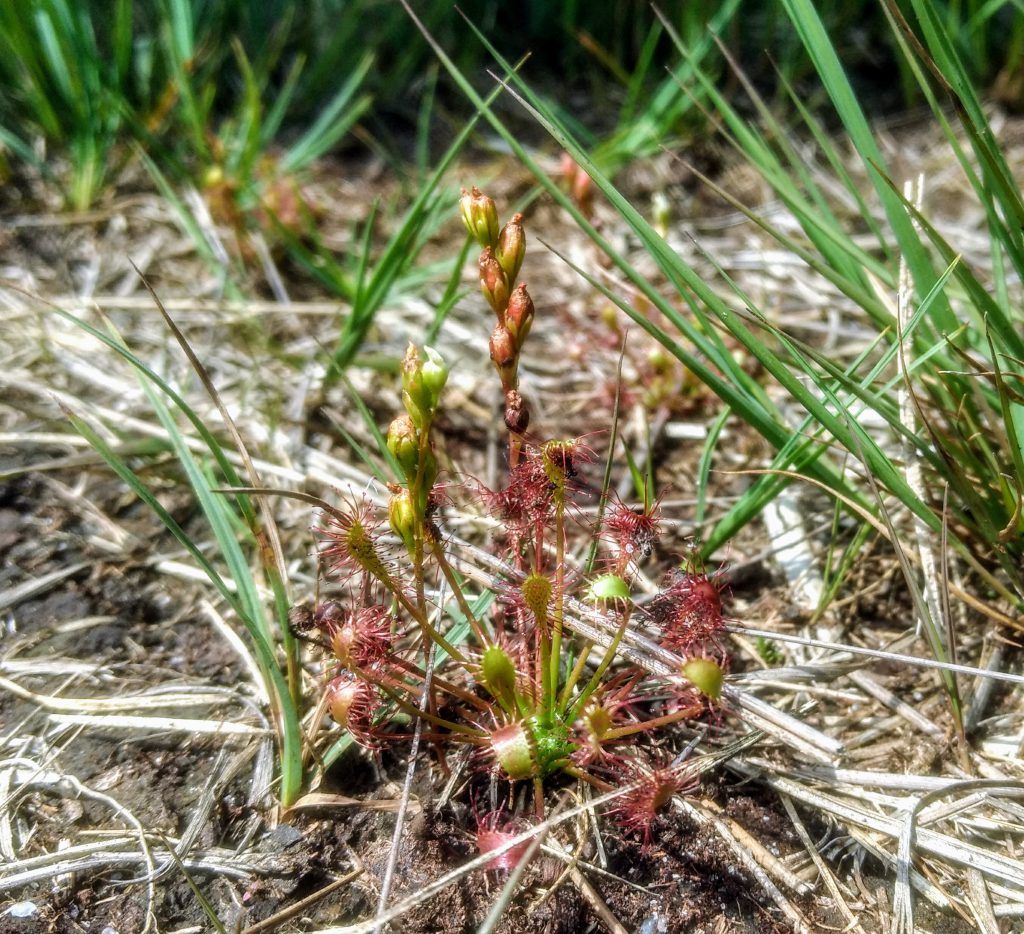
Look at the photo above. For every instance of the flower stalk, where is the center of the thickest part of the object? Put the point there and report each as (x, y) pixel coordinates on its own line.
(518, 687)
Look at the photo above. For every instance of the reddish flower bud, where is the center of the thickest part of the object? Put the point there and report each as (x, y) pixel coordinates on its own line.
(568, 167)
(504, 356)
(480, 216)
(581, 186)
(511, 247)
(582, 192)
(493, 283)
(519, 314)
(517, 415)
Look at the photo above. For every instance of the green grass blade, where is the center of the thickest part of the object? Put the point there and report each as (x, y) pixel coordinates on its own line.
(704, 467)
(819, 47)
(244, 599)
(335, 120)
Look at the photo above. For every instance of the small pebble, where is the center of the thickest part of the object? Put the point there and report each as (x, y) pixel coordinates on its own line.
(285, 835)
(22, 910)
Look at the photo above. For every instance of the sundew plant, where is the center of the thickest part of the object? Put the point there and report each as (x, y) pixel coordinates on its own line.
(541, 678)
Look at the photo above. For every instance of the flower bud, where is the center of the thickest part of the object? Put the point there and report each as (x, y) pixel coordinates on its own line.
(519, 314)
(434, 372)
(511, 247)
(580, 185)
(504, 356)
(480, 216)
(517, 415)
(706, 675)
(493, 282)
(499, 676)
(568, 167)
(582, 192)
(404, 444)
(417, 393)
(402, 518)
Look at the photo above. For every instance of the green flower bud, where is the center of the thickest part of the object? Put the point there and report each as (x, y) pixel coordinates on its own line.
(511, 247)
(434, 373)
(499, 676)
(402, 518)
(706, 675)
(519, 314)
(422, 382)
(404, 444)
(416, 397)
(480, 216)
(493, 283)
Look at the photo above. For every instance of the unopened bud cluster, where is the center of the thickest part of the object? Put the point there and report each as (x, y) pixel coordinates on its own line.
(423, 378)
(500, 262)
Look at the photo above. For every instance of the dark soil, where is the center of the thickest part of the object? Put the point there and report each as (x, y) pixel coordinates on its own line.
(138, 631)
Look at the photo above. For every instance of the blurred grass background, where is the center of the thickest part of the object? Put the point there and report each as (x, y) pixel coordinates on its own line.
(209, 88)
